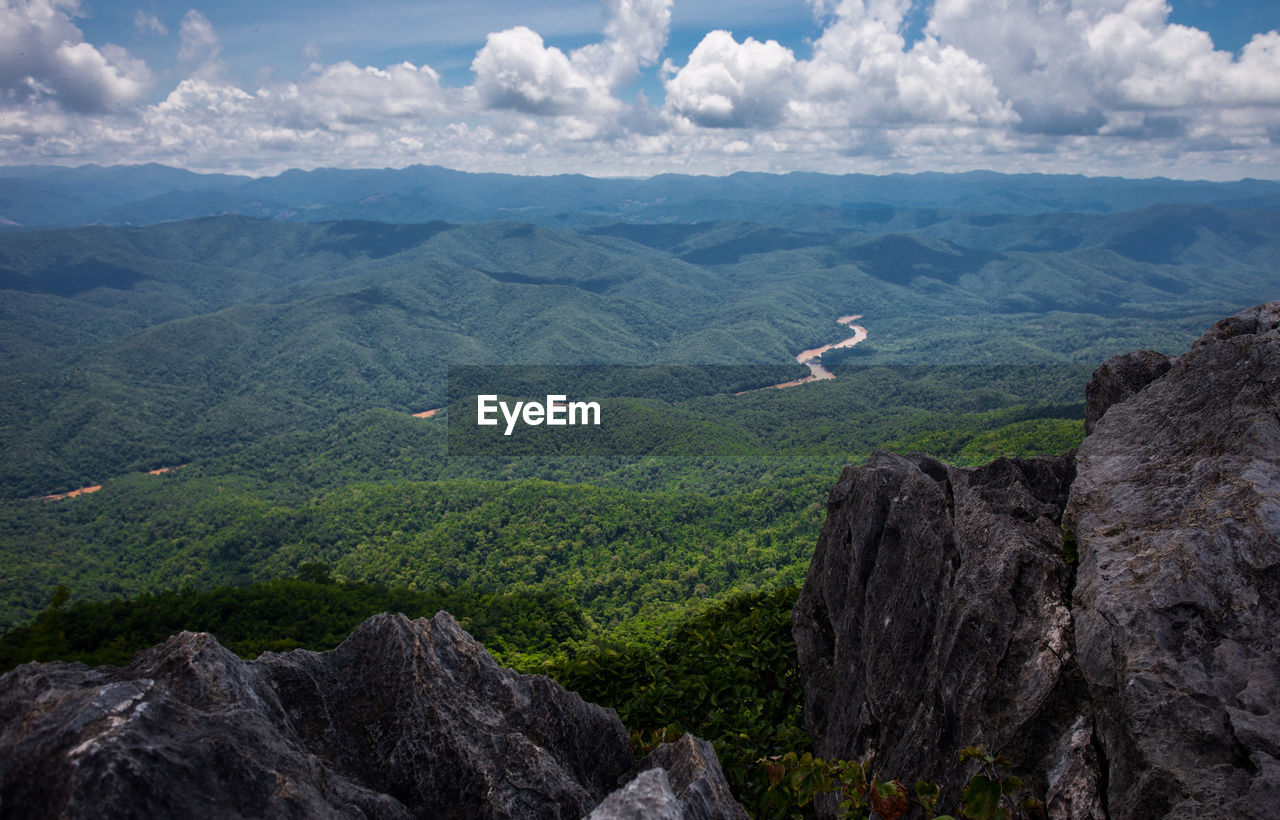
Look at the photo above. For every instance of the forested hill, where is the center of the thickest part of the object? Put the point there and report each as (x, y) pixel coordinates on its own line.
(281, 359)
(129, 349)
(47, 196)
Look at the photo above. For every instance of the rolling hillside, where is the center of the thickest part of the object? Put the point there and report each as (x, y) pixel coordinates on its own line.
(128, 349)
(276, 346)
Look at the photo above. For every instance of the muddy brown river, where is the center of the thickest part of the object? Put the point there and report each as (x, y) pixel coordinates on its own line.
(812, 359)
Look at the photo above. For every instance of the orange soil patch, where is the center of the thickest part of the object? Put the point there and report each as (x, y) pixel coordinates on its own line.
(72, 494)
(96, 487)
(426, 414)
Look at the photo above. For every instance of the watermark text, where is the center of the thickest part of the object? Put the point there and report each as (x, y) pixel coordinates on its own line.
(557, 411)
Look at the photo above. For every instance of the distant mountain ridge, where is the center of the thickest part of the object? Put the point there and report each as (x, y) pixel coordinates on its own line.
(49, 196)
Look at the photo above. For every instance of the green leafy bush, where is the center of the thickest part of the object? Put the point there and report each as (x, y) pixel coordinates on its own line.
(313, 612)
(728, 675)
(797, 780)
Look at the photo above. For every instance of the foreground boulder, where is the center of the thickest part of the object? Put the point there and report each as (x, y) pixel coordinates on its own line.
(941, 610)
(1176, 509)
(404, 719)
(936, 614)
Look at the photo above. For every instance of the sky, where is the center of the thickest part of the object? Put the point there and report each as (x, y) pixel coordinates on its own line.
(1185, 89)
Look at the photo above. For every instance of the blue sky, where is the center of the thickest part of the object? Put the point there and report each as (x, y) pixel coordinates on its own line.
(445, 35)
(1189, 88)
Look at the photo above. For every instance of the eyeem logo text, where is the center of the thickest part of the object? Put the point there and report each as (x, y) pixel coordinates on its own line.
(556, 412)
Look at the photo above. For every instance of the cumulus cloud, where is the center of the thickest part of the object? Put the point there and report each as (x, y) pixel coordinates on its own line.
(44, 58)
(634, 35)
(989, 77)
(1104, 86)
(730, 84)
(1082, 57)
(346, 94)
(861, 74)
(335, 111)
(861, 63)
(340, 113)
(516, 70)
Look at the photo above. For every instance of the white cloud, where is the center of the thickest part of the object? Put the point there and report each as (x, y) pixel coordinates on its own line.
(43, 57)
(146, 23)
(861, 74)
(1100, 86)
(1063, 64)
(634, 35)
(347, 94)
(335, 112)
(200, 44)
(516, 70)
(730, 84)
(861, 65)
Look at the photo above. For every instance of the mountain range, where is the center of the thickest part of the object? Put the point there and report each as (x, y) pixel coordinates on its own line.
(128, 348)
(45, 196)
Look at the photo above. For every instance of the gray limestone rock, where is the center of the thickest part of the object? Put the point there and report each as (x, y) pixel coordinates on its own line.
(405, 718)
(1176, 510)
(691, 785)
(1120, 377)
(937, 611)
(1075, 777)
(696, 778)
(647, 797)
(936, 615)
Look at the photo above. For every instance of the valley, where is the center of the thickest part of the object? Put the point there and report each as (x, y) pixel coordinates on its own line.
(812, 359)
(349, 317)
(281, 369)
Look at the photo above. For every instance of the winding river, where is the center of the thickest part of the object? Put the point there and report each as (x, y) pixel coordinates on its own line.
(812, 359)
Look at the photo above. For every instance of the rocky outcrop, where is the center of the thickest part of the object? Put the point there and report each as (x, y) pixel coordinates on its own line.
(680, 780)
(404, 719)
(1118, 378)
(696, 779)
(936, 614)
(647, 797)
(940, 609)
(1176, 509)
